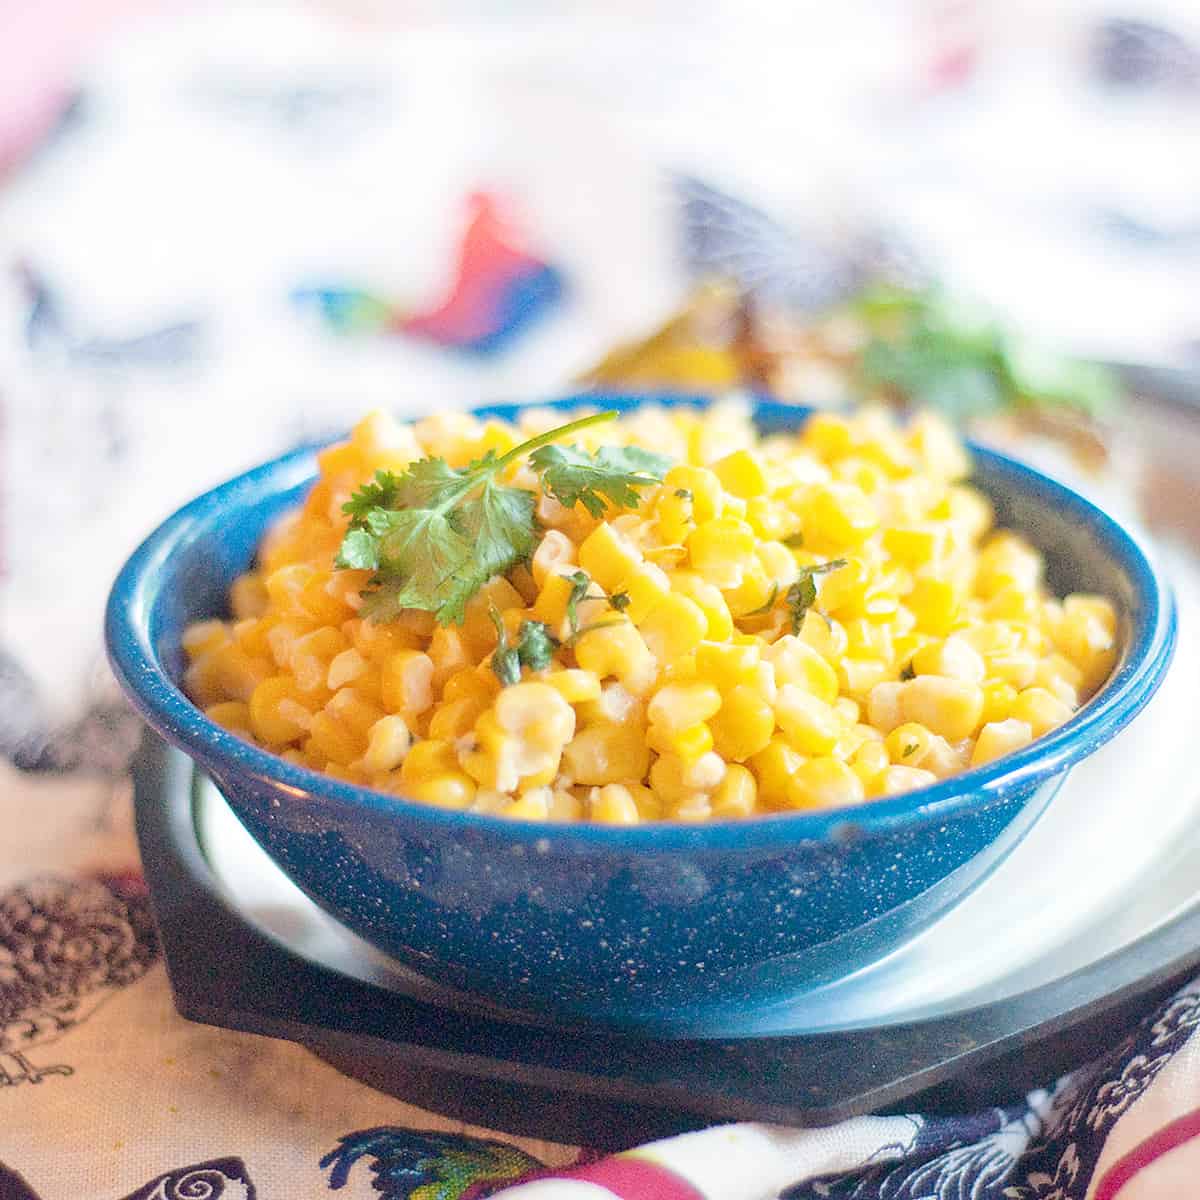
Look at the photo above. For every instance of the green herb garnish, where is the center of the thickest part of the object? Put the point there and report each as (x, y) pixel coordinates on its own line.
(619, 601)
(794, 541)
(573, 476)
(433, 535)
(683, 493)
(931, 348)
(534, 649)
(907, 672)
(909, 749)
(579, 589)
(802, 595)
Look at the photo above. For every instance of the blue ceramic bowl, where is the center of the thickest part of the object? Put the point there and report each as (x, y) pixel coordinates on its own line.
(677, 928)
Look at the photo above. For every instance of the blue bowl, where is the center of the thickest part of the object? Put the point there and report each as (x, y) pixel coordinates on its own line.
(703, 930)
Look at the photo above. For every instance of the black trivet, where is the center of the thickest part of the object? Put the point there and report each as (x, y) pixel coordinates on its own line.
(602, 1089)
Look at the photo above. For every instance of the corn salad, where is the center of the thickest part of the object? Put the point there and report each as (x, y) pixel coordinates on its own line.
(684, 685)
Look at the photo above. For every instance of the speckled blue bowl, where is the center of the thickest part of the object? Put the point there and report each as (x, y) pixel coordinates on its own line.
(697, 930)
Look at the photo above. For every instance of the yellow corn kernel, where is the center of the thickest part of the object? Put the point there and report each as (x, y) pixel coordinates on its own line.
(770, 519)
(809, 724)
(620, 651)
(742, 473)
(311, 654)
(687, 744)
(909, 744)
(720, 550)
(797, 664)
(825, 635)
(448, 652)
(676, 626)
(426, 759)
(476, 683)
(536, 712)
(774, 767)
(336, 740)
(666, 779)
(204, 636)
(277, 712)
(896, 780)
(953, 657)
(754, 593)
(884, 709)
(453, 790)
(679, 705)
(914, 545)
(998, 697)
(744, 725)
(870, 760)
(608, 556)
(555, 553)
(736, 795)
(847, 710)
(1014, 666)
(935, 604)
(1041, 709)
(604, 752)
(248, 596)
(837, 515)
(232, 715)
(708, 598)
(828, 436)
(614, 805)
(225, 672)
(645, 588)
(949, 707)
(705, 488)
(998, 738)
(860, 675)
(388, 741)
(353, 709)
(693, 809)
(869, 639)
(939, 446)
(406, 682)
(345, 668)
(727, 664)
(453, 718)
(649, 805)
(564, 806)
(531, 805)
(824, 783)
(575, 686)
(674, 511)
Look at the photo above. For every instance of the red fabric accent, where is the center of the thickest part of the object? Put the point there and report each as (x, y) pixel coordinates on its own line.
(1179, 1131)
(635, 1179)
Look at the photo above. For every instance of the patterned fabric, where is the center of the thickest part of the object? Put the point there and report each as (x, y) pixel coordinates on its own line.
(133, 380)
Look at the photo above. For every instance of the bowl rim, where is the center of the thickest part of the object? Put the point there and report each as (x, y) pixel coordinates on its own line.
(168, 710)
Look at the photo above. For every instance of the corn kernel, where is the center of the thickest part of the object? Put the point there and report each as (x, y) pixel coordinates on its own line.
(736, 795)
(998, 738)
(614, 805)
(809, 724)
(950, 707)
(744, 724)
(1042, 710)
(824, 783)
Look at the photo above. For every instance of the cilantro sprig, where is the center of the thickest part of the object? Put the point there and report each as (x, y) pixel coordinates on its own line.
(434, 534)
(802, 595)
(534, 649)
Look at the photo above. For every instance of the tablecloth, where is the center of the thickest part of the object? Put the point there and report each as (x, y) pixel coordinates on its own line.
(158, 330)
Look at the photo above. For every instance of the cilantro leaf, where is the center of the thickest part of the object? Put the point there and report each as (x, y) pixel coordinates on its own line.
(619, 600)
(435, 534)
(802, 595)
(379, 493)
(535, 647)
(506, 658)
(579, 589)
(574, 476)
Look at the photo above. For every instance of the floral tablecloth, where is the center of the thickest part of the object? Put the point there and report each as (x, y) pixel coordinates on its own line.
(207, 265)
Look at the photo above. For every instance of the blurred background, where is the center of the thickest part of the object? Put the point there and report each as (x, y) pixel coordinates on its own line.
(228, 228)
